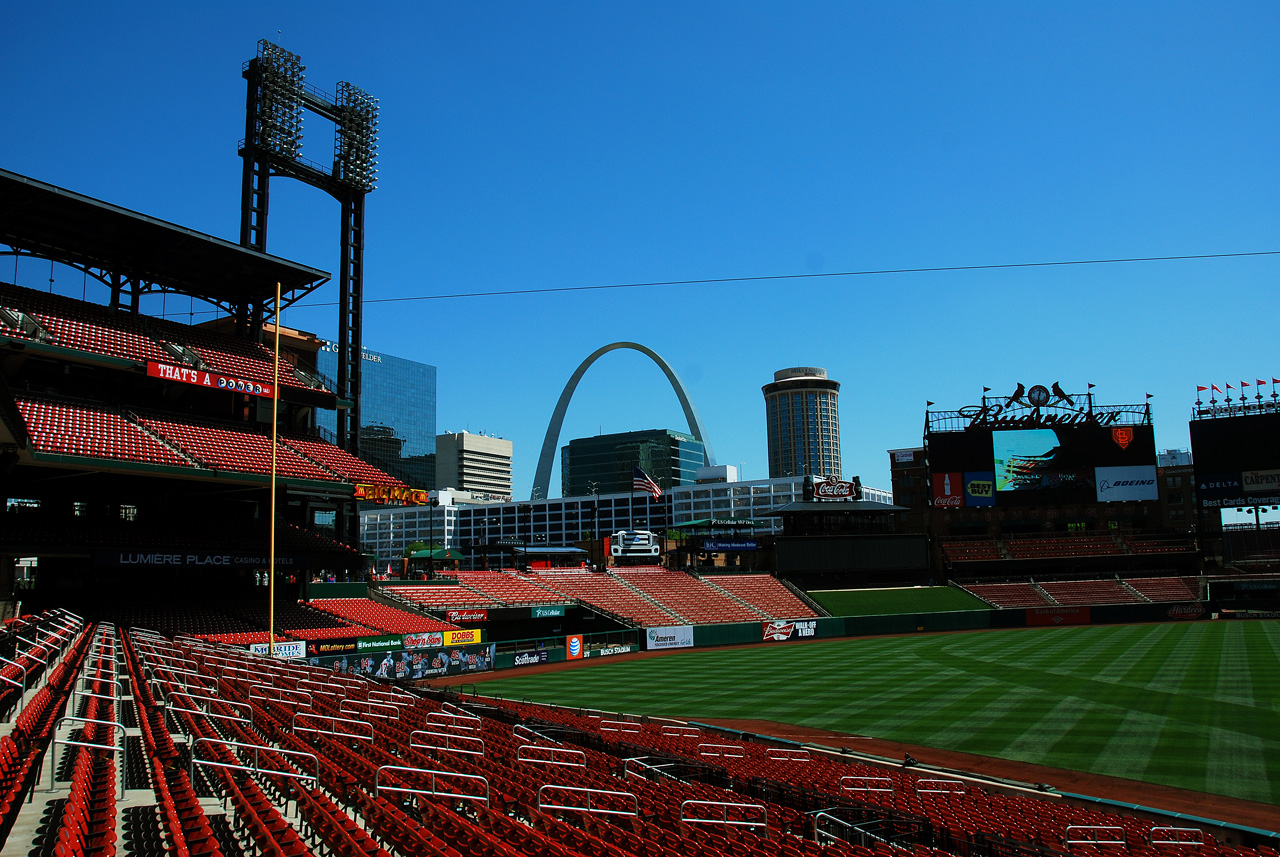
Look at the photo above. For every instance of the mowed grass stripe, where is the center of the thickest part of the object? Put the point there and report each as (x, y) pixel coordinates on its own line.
(938, 690)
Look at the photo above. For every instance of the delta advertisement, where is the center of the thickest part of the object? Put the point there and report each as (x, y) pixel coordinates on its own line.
(669, 637)
(412, 664)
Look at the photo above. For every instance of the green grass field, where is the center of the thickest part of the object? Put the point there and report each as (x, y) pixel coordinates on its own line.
(1194, 705)
(884, 602)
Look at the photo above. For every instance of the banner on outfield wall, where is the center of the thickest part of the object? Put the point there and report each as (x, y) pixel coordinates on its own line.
(412, 664)
(338, 646)
(528, 659)
(788, 630)
(284, 649)
(1043, 616)
(203, 378)
(669, 637)
(547, 612)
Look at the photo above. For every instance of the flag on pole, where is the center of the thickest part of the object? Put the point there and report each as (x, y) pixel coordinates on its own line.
(1259, 383)
(1243, 384)
(1214, 387)
(1200, 389)
(640, 481)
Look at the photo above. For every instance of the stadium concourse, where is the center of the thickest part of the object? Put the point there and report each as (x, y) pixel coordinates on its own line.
(126, 740)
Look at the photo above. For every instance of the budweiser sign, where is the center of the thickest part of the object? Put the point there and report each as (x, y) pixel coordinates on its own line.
(835, 489)
(459, 616)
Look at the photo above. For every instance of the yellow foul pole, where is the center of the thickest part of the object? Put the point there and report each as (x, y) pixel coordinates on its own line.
(271, 549)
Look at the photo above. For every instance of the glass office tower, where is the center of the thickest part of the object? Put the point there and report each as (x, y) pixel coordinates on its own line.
(606, 461)
(397, 412)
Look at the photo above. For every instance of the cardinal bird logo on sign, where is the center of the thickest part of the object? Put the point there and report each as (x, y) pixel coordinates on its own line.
(1123, 436)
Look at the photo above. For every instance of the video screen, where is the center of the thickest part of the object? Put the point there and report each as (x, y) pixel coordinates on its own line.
(1031, 460)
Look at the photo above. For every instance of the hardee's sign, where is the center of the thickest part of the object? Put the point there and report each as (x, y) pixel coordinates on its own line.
(204, 378)
(391, 494)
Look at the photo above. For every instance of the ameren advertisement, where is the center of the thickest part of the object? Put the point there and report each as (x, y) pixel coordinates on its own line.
(670, 637)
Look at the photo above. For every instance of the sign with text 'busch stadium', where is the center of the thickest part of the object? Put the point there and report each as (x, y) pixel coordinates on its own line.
(670, 637)
(547, 612)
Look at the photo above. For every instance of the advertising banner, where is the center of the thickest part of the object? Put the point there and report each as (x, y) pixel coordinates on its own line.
(1042, 616)
(1260, 482)
(340, 646)
(419, 663)
(734, 545)
(947, 490)
(457, 617)
(202, 378)
(606, 651)
(1187, 611)
(1118, 484)
(384, 643)
(980, 488)
(165, 559)
(284, 649)
(573, 647)
(463, 637)
(669, 637)
(1219, 486)
(424, 639)
(528, 659)
(547, 612)
(783, 629)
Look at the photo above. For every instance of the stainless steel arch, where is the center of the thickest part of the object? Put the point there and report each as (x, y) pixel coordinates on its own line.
(542, 478)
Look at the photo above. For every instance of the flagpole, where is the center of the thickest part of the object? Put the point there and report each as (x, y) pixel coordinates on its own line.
(271, 548)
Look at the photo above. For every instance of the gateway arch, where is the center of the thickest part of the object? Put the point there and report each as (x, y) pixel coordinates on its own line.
(542, 478)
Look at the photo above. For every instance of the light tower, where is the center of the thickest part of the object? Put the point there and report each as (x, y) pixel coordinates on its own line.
(277, 97)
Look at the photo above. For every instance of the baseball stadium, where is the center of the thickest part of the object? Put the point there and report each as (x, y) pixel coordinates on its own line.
(199, 660)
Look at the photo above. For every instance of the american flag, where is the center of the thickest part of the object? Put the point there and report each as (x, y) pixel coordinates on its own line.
(640, 481)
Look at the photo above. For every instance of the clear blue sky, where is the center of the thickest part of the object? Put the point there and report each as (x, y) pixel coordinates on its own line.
(540, 145)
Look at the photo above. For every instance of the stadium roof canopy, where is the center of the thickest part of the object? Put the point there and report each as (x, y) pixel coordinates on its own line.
(53, 223)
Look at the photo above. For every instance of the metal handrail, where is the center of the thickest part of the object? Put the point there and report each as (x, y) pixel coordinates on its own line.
(378, 787)
(281, 690)
(452, 717)
(231, 702)
(868, 787)
(945, 787)
(520, 727)
(616, 726)
(19, 666)
(1171, 834)
(293, 725)
(1095, 828)
(521, 756)
(344, 709)
(672, 731)
(121, 748)
(257, 769)
(449, 738)
(703, 748)
(786, 754)
(725, 806)
(635, 802)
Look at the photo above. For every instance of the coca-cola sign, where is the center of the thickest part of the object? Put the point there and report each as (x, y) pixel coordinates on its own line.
(948, 490)
(835, 489)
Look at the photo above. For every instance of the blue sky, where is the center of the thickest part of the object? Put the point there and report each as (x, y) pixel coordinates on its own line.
(538, 145)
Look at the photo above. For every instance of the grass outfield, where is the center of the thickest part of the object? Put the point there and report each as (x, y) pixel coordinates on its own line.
(884, 602)
(1194, 705)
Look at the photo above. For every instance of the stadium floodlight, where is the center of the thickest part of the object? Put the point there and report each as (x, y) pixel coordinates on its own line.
(279, 121)
(355, 145)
